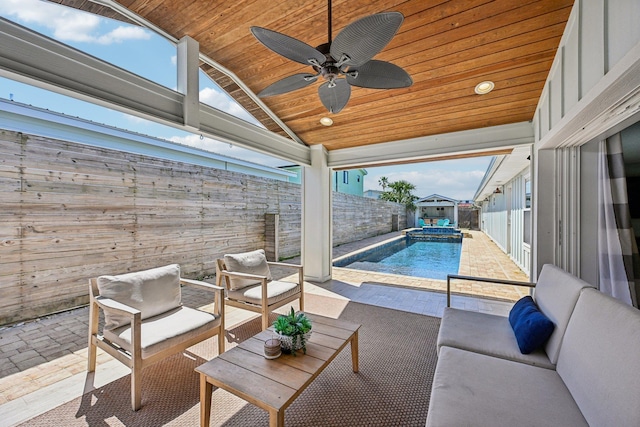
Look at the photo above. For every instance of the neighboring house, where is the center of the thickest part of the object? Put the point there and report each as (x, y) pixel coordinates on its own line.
(435, 207)
(349, 181)
(343, 181)
(19, 117)
(372, 194)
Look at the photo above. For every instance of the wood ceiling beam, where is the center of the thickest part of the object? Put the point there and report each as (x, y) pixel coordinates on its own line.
(449, 144)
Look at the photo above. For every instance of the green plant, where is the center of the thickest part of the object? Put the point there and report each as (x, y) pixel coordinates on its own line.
(294, 325)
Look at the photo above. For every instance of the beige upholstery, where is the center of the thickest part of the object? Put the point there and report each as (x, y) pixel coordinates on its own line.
(264, 295)
(472, 389)
(254, 262)
(487, 334)
(145, 319)
(152, 291)
(599, 360)
(595, 381)
(556, 293)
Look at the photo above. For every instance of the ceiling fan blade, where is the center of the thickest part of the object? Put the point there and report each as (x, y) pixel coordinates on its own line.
(288, 84)
(288, 47)
(378, 75)
(335, 98)
(363, 39)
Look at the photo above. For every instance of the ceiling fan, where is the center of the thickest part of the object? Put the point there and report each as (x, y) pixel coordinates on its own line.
(343, 62)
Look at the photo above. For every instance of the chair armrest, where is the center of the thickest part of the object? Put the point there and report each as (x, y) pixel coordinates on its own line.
(201, 284)
(239, 275)
(284, 264)
(486, 280)
(218, 298)
(113, 306)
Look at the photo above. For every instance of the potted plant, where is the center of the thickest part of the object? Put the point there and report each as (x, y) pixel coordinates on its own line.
(294, 330)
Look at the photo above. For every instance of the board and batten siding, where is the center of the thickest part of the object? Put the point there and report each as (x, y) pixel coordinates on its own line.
(503, 220)
(69, 212)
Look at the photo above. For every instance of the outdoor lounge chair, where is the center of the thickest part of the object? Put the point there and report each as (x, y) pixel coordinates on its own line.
(247, 279)
(145, 320)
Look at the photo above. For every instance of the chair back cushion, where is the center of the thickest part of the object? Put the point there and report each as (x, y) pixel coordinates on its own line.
(254, 262)
(556, 293)
(153, 292)
(600, 360)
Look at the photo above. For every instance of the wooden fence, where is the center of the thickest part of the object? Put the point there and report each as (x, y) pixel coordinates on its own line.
(69, 212)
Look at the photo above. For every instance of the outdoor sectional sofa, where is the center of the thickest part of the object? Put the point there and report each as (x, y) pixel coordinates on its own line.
(587, 373)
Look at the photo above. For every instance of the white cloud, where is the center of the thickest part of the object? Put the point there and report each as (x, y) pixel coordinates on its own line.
(174, 59)
(221, 101)
(68, 24)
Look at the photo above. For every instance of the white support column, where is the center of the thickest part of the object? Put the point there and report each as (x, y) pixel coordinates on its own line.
(317, 225)
(545, 224)
(188, 80)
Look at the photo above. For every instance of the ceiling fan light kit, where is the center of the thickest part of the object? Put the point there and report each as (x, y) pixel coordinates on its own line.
(341, 63)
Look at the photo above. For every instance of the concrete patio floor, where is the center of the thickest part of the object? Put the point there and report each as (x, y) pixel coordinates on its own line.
(43, 362)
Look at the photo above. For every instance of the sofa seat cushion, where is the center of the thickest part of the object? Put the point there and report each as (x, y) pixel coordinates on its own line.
(254, 262)
(165, 330)
(487, 334)
(152, 291)
(471, 389)
(276, 291)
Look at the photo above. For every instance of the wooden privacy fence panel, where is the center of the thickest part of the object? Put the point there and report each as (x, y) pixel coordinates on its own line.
(363, 217)
(69, 212)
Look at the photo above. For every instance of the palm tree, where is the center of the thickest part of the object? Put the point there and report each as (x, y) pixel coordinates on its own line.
(399, 192)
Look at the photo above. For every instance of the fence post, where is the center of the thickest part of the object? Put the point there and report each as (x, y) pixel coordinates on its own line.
(271, 237)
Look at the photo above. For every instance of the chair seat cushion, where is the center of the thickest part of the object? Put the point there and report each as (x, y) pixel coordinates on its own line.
(471, 389)
(165, 330)
(276, 291)
(487, 334)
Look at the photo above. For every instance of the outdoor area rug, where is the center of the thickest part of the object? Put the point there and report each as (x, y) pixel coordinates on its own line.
(397, 363)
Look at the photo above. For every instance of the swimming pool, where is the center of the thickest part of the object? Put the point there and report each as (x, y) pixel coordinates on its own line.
(408, 257)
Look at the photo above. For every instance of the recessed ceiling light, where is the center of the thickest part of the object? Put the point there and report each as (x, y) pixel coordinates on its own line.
(484, 87)
(326, 121)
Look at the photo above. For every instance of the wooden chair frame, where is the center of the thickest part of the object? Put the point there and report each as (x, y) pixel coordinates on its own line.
(133, 359)
(264, 309)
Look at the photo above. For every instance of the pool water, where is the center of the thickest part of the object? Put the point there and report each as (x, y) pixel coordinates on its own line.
(431, 260)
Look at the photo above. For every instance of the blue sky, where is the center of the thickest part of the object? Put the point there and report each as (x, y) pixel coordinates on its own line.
(144, 53)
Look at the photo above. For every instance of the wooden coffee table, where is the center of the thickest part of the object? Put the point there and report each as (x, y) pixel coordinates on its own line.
(274, 384)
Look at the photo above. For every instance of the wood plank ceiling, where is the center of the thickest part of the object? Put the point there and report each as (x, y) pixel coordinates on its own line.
(446, 46)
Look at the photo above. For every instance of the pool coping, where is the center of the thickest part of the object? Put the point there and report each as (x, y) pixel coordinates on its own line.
(352, 256)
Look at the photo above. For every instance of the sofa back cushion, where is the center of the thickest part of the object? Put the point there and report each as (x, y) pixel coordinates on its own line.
(254, 262)
(153, 292)
(556, 293)
(599, 360)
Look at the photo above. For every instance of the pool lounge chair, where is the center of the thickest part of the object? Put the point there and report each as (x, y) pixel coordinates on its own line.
(421, 223)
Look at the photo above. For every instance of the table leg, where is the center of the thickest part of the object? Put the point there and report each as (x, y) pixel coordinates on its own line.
(354, 352)
(276, 418)
(206, 391)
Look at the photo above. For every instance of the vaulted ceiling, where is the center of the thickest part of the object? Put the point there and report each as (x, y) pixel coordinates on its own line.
(446, 46)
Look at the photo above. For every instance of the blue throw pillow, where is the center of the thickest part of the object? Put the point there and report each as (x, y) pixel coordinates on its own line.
(531, 327)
